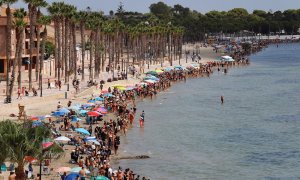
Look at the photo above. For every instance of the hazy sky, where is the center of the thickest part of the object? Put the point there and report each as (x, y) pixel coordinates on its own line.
(202, 6)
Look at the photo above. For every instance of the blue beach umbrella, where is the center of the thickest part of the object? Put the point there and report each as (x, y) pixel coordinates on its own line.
(108, 95)
(82, 131)
(168, 69)
(83, 112)
(99, 99)
(151, 78)
(75, 108)
(64, 110)
(58, 113)
(37, 123)
(72, 176)
(75, 119)
(92, 101)
(41, 117)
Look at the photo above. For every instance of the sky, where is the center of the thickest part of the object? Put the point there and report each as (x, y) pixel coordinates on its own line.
(202, 6)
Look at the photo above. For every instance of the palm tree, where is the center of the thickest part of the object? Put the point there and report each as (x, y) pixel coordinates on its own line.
(39, 4)
(8, 45)
(19, 24)
(82, 18)
(20, 140)
(43, 20)
(56, 11)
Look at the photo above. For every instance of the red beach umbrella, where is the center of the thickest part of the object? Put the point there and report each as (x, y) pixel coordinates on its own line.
(30, 159)
(47, 144)
(94, 113)
(34, 118)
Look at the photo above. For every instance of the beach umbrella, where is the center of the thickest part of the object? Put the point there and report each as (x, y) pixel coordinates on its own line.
(88, 105)
(47, 144)
(159, 71)
(99, 99)
(41, 117)
(72, 176)
(154, 73)
(168, 69)
(75, 108)
(37, 123)
(48, 116)
(62, 138)
(57, 113)
(75, 119)
(92, 101)
(94, 113)
(77, 169)
(64, 110)
(108, 95)
(89, 138)
(151, 78)
(117, 85)
(93, 141)
(63, 169)
(83, 112)
(82, 131)
(34, 118)
(150, 81)
(30, 159)
(101, 178)
(122, 88)
(102, 110)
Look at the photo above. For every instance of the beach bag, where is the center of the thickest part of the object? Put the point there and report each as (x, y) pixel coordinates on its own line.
(3, 168)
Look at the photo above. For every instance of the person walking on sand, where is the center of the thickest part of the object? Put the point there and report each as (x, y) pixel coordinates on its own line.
(222, 99)
(49, 84)
(19, 93)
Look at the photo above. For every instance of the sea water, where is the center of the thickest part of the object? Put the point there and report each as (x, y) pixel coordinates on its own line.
(255, 134)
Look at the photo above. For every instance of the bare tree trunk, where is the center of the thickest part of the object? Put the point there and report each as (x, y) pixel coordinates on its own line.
(82, 30)
(8, 49)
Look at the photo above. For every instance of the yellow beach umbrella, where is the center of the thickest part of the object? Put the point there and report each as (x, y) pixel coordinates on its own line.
(159, 71)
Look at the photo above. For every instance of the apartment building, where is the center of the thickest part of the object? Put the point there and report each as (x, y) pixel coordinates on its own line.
(26, 45)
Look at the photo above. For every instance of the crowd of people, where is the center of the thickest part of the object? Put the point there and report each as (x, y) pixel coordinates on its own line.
(93, 154)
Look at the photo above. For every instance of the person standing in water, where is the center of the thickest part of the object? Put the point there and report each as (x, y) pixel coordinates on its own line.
(222, 99)
(142, 119)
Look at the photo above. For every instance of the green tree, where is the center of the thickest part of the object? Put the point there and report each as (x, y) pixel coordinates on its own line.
(161, 10)
(20, 140)
(44, 21)
(19, 24)
(8, 44)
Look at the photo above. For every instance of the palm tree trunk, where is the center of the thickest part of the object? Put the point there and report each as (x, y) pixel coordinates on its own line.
(64, 44)
(74, 50)
(38, 48)
(56, 47)
(82, 30)
(66, 49)
(59, 51)
(20, 173)
(44, 36)
(32, 14)
(8, 49)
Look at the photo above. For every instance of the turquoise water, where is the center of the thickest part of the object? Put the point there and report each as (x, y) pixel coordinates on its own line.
(255, 134)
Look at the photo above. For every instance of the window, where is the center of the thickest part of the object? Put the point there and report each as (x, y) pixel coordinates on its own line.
(1, 66)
